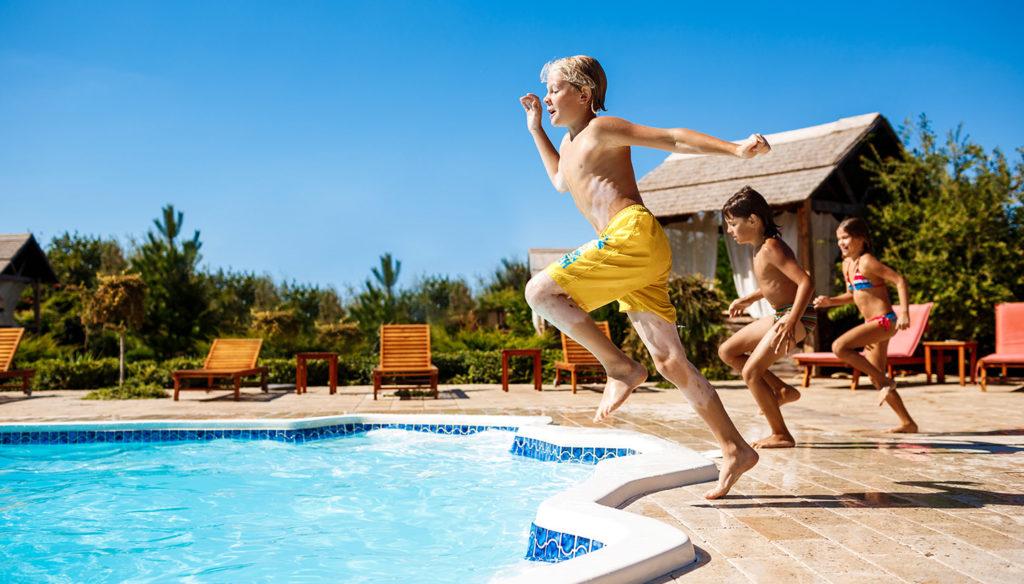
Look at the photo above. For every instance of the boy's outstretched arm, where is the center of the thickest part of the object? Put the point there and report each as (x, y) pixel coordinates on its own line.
(829, 301)
(548, 153)
(740, 305)
(620, 132)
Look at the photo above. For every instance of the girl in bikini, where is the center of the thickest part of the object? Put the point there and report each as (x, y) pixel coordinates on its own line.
(866, 278)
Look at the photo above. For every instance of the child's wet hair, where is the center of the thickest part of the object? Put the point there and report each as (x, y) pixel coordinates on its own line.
(580, 71)
(749, 202)
(857, 227)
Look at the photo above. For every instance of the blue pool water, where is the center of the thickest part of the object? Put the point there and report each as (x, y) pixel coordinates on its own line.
(383, 506)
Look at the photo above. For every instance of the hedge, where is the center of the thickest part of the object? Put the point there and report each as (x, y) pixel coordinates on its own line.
(454, 367)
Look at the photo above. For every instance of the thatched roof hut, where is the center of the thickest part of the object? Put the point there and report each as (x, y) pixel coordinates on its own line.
(820, 164)
(22, 262)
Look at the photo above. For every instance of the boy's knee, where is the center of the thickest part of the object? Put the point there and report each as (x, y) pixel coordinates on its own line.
(670, 364)
(664, 368)
(535, 290)
(726, 353)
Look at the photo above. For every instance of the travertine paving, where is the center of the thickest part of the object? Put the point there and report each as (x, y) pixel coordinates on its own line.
(848, 504)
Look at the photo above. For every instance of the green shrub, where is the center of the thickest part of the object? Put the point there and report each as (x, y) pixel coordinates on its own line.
(35, 347)
(127, 392)
(352, 370)
(468, 366)
(91, 373)
(509, 308)
(485, 366)
(77, 373)
(699, 313)
(453, 366)
(158, 373)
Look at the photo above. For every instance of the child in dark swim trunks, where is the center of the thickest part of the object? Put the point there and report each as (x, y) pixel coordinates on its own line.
(865, 278)
(787, 287)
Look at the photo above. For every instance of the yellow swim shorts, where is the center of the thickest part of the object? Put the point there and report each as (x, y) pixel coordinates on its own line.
(630, 262)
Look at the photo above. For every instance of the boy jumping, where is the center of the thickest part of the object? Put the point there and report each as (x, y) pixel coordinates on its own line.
(631, 258)
(787, 287)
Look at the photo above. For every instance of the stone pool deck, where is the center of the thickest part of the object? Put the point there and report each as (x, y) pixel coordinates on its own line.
(848, 504)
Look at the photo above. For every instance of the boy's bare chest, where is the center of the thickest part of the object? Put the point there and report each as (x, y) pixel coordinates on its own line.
(764, 270)
(577, 160)
(582, 161)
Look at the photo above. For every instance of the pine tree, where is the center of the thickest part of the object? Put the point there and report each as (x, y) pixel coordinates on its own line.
(177, 306)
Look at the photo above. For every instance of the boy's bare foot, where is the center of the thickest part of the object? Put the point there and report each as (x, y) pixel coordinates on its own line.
(733, 466)
(618, 389)
(787, 394)
(907, 428)
(775, 441)
(886, 391)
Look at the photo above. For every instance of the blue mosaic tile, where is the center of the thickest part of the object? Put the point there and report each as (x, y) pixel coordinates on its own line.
(548, 545)
(294, 436)
(545, 451)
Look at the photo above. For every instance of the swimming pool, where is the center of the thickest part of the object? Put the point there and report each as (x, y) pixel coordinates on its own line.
(340, 499)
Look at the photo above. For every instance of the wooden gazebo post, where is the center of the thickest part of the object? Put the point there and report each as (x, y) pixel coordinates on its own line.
(805, 251)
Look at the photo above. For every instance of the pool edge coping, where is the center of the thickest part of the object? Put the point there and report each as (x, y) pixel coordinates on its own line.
(636, 548)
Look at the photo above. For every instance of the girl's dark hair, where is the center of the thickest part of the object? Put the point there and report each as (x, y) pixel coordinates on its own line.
(749, 202)
(857, 227)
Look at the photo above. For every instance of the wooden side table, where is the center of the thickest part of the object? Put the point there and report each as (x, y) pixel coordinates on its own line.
(506, 353)
(301, 381)
(940, 347)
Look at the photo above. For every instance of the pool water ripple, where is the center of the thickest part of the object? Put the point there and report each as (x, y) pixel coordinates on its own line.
(386, 505)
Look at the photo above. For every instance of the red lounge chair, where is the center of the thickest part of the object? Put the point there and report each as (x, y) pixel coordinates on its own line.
(1009, 342)
(902, 348)
(9, 340)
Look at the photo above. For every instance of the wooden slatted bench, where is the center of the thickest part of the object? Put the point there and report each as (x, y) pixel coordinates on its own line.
(404, 354)
(228, 359)
(10, 338)
(577, 359)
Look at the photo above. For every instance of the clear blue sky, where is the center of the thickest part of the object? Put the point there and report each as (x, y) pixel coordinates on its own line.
(304, 139)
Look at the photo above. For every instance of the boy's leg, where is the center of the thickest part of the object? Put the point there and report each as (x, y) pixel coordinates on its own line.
(734, 352)
(550, 301)
(784, 392)
(662, 340)
(754, 375)
(876, 354)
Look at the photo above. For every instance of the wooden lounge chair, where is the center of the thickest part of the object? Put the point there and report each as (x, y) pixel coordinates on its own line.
(228, 359)
(902, 348)
(9, 340)
(1009, 342)
(404, 353)
(577, 359)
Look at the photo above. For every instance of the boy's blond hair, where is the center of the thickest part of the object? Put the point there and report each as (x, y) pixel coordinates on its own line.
(580, 71)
